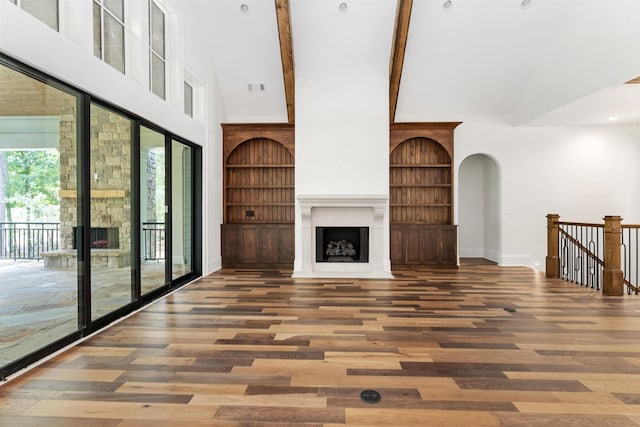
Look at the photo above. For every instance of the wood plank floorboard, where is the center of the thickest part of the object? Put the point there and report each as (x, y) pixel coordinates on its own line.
(480, 345)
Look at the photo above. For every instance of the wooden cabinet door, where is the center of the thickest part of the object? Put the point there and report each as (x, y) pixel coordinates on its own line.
(231, 244)
(397, 245)
(439, 245)
(268, 245)
(412, 246)
(286, 244)
(249, 242)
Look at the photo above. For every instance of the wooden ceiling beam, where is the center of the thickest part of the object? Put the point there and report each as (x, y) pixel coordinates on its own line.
(286, 53)
(401, 30)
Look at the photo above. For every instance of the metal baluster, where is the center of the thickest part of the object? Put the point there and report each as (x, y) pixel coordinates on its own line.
(563, 257)
(624, 259)
(592, 261)
(637, 282)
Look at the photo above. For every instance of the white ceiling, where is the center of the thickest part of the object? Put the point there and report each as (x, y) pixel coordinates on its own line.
(552, 62)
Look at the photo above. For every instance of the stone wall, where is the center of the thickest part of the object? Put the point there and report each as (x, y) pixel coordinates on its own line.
(110, 174)
(68, 175)
(152, 168)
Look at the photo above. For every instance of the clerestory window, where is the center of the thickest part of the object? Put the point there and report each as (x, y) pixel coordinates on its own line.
(108, 32)
(188, 99)
(157, 55)
(44, 10)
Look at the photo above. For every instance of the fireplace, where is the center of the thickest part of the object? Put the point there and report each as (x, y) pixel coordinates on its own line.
(356, 226)
(342, 244)
(101, 238)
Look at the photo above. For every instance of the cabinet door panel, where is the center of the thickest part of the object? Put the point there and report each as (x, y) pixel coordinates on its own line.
(413, 245)
(249, 245)
(286, 243)
(268, 245)
(397, 245)
(439, 245)
(429, 246)
(230, 244)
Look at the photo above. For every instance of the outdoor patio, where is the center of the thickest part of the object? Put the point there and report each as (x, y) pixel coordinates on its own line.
(38, 305)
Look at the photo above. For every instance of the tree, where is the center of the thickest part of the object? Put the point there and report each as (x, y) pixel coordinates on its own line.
(33, 182)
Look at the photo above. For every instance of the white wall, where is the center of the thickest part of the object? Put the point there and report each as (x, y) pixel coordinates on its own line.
(342, 132)
(212, 171)
(342, 102)
(581, 173)
(342, 97)
(492, 224)
(69, 57)
(26, 39)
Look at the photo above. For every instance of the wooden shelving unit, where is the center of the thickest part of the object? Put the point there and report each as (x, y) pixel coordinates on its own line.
(259, 188)
(421, 194)
(420, 180)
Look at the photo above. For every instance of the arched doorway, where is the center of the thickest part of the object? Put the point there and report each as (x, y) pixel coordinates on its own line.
(479, 225)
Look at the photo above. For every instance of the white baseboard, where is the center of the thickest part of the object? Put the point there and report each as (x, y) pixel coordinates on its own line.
(492, 255)
(213, 265)
(471, 252)
(516, 260)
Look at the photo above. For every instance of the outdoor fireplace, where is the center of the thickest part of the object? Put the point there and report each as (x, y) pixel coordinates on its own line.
(101, 238)
(342, 244)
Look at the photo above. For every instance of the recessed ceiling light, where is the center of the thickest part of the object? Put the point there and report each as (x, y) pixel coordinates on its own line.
(244, 7)
(342, 7)
(613, 118)
(447, 4)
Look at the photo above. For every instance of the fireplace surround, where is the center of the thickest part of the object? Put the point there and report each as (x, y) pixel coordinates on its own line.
(343, 211)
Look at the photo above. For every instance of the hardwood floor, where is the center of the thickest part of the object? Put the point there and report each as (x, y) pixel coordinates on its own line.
(476, 346)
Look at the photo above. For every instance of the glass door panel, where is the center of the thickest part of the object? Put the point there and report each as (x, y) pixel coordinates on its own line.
(110, 235)
(38, 213)
(152, 210)
(181, 209)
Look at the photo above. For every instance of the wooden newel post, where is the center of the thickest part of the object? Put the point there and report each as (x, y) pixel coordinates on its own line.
(553, 246)
(612, 276)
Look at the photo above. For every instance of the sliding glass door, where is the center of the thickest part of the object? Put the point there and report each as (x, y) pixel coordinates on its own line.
(153, 206)
(111, 234)
(38, 214)
(182, 214)
(94, 202)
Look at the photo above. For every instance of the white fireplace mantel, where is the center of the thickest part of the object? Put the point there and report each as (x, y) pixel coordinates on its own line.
(340, 211)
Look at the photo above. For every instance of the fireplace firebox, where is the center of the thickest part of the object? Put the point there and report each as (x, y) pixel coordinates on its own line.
(101, 238)
(342, 244)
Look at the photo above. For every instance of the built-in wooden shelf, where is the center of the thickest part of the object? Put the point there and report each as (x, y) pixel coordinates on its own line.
(421, 194)
(419, 178)
(259, 195)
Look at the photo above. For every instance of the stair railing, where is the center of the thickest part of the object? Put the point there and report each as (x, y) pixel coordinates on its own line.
(599, 256)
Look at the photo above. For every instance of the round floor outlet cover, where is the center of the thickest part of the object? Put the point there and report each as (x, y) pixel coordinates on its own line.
(370, 396)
